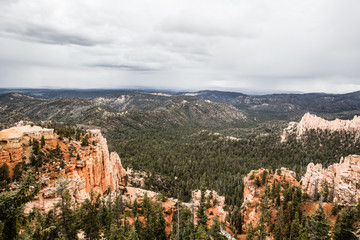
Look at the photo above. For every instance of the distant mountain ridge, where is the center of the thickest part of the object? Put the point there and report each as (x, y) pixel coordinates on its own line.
(260, 107)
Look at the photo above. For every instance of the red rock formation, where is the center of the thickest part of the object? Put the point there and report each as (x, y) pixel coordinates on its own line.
(343, 180)
(96, 171)
(252, 193)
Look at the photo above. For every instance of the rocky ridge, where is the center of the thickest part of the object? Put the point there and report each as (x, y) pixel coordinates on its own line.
(311, 121)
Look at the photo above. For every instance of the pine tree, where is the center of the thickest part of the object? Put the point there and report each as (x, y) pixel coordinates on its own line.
(200, 233)
(295, 227)
(17, 172)
(135, 208)
(90, 221)
(278, 189)
(12, 206)
(344, 229)
(319, 226)
(42, 141)
(263, 218)
(160, 225)
(67, 220)
(264, 177)
(4, 175)
(133, 234)
(257, 181)
(250, 232)
(215, 229)
(237, 221)
(279, 225)
(201, 212)
(303, 233)
(188, 232)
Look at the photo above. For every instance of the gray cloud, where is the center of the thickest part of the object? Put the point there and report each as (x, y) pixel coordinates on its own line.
(229, 45)
(43, 34)
(126, 67)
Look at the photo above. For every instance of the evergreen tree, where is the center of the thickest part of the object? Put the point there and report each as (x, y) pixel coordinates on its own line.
(4, 175)
(135, 208)
(188, 233)
(303, 233)
(12, 206)
(264, 177)
(17, 172)
(215, 229)
(160, 224)
(201, 212)
(278, 189)
(237, 221)
(67, 220)
(279, 225)
(89, 213)
(200, 233)
(250, 232)
(295, 228)
(319, 226)
(138, 225)
(344, 229)
(257, 181)
(262, 229)
(325, 192)
(42, 141)
(133, 234)
(335, 209)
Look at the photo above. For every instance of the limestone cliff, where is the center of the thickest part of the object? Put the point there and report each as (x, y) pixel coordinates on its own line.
(310, 121)
(343, 180)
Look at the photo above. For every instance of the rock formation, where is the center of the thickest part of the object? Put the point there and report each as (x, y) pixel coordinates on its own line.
(14, 142)
(96, 171)
(252, 193)
(217, 204)
(343, 180)
(310, 121)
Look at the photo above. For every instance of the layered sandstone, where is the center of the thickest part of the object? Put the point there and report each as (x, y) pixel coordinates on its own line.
(96, 171)
(343, 180)
(310, 121)
(14, 142)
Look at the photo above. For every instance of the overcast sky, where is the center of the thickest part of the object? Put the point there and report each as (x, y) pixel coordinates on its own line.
(248, 46)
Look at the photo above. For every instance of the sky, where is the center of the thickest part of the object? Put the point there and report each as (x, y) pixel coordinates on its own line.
(234, 45)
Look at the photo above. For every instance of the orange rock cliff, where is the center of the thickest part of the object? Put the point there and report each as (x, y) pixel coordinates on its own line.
(96, 171)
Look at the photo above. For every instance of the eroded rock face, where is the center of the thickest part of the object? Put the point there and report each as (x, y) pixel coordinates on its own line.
(253, 194)
(343, 180)
(14, 142)
(96, 171)
(310, 121)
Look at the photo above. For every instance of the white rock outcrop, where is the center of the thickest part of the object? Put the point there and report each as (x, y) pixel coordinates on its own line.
(310, 121)
(342, 178)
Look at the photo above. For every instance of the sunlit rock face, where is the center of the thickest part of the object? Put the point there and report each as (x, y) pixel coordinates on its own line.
(343, 180)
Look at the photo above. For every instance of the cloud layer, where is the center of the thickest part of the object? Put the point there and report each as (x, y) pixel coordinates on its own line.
(257, 45)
